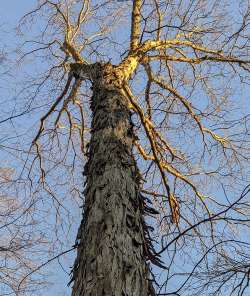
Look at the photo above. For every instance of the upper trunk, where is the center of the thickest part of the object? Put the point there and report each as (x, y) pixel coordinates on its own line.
(111, 258)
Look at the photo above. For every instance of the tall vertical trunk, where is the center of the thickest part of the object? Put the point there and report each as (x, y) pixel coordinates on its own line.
(111, 256)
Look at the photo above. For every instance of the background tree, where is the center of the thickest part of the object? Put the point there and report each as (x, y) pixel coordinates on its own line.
(163, 78)
(18, 242)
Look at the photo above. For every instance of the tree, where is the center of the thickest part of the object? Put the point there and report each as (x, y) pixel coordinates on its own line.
(161, 97)
(17, 238)
(18, 243)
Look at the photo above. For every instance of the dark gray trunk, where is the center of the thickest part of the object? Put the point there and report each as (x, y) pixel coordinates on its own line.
(111, 258)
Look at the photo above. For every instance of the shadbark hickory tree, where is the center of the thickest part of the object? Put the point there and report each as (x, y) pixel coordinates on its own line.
(113, 238)
(160, 96)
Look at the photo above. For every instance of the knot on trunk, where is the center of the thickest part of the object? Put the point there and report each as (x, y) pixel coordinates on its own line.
(105, 75)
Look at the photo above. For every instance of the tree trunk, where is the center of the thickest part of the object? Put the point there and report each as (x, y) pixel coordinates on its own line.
(111, 255)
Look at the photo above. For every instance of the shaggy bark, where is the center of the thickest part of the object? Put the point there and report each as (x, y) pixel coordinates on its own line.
(113, 246)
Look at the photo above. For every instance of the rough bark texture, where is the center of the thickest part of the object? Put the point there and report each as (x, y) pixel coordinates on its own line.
(111, 258)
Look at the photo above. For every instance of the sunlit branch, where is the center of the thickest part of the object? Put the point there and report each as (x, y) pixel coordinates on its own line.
(52, 108)
(81, 16)
(71, 97)
(197, 60)
(135, 25)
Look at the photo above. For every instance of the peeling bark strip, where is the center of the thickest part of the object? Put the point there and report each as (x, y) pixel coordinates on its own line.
(114, 245)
